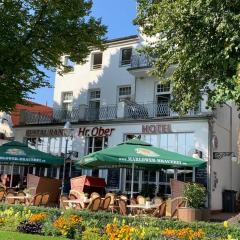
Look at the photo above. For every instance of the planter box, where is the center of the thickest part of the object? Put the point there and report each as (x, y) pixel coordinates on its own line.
(190, 214)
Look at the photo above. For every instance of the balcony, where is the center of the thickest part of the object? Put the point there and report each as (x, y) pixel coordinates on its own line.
(124, 111)
(140, 65)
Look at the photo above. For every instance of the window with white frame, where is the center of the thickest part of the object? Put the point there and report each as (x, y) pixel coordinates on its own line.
(163, 97)
(126, 55)
(67, 99)
(97, 60)
(124, 93)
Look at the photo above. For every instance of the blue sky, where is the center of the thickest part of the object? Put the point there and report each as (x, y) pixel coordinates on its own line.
(117, 15)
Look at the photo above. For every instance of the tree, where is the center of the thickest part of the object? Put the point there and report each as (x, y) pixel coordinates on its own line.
(202, 39)
(35, 34)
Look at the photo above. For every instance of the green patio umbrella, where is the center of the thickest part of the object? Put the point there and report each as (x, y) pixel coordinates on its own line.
(20, 154)
(137, 153)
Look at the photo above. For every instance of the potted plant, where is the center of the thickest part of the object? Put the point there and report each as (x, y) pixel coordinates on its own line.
(195, 195)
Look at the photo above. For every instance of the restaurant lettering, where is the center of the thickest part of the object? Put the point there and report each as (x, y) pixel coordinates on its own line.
(156, 128)
(44, 133)
(95, 132)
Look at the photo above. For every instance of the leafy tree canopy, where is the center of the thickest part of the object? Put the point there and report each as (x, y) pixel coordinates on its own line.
(202, 39)
(37, 33)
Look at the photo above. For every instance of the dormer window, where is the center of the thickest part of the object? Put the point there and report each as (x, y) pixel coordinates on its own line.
(126, 55)
(97, 60)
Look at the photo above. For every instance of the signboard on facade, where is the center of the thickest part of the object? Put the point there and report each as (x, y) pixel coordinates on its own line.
(82, 131)
(156, 128)
(44, 133)
(95, 132)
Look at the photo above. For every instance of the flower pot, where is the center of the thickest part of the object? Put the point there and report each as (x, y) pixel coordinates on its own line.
(189, 214)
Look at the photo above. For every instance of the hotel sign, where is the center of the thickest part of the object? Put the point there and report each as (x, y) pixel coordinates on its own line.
(156, 128)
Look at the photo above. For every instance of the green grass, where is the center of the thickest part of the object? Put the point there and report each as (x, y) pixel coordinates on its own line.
(22, 236)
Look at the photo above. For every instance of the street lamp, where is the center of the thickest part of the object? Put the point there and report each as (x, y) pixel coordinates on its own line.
(67, 132)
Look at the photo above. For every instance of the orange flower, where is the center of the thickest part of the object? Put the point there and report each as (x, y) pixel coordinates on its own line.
(38, 217)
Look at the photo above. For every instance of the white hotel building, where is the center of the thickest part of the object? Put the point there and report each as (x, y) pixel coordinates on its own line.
(111, 98)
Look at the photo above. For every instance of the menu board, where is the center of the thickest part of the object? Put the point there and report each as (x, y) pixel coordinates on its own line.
(201, 176)
(113, 178)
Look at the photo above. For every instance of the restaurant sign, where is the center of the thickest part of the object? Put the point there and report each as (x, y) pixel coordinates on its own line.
(44, 133)
(95, 132)
(156, 128)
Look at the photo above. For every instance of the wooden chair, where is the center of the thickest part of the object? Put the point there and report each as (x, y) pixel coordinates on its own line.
(161, 211)
(21, 201)
(37, 199)
(95, 204)
(182, 203)
(77, 194)
(134, 211)
(10, 200)
(123, 197)
(2, 195)
(173, 205)
(157, 200)
(113, 207)
(62, 203)
(122, 207)
(10, 190)
(94, 195)
(45, 199)
(106, 203)
(141, 200)
(31, 190)
(72, 197)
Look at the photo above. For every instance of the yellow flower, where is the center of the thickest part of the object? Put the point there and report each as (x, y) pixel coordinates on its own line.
(225, 224)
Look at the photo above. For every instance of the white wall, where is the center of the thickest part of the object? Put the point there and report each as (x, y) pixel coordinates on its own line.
(107, 79)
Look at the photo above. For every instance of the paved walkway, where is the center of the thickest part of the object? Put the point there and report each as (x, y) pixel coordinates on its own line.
(220, 217)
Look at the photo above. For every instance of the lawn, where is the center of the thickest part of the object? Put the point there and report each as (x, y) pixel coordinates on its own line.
(22, 236)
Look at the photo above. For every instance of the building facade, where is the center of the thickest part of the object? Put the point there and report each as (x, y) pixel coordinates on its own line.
(112, 98)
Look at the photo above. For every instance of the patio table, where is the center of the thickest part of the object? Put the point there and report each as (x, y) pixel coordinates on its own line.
(143, 206)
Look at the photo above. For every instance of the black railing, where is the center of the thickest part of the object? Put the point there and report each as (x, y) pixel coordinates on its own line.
(132, 110)
(141, 61)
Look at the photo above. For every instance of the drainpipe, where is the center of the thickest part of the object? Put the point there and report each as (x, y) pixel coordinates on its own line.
(209, 163)
(230, 142)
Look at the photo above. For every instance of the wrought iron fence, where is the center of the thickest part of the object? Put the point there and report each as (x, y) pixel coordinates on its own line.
(132, 110)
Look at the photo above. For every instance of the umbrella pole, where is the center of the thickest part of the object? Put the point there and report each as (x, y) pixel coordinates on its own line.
(132, 180)
(11, 176)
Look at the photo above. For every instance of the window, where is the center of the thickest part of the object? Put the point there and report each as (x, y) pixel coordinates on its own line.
(162, 100)
(94, 104)
(96, 144)
(163, 88)
(124, 93)
(126, 55)
(95, 94)
(97, 60)
(67, 98)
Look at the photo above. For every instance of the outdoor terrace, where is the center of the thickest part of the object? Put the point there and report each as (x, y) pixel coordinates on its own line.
(126, 110)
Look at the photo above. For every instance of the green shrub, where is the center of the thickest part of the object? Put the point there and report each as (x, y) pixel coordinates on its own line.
(195, 194)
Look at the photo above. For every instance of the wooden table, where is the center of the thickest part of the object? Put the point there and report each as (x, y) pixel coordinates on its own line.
(143, 206)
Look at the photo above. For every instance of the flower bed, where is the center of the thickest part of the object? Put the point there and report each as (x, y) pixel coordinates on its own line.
(102, 225)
